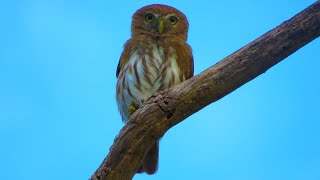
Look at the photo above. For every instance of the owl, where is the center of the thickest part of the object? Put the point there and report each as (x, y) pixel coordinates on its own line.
(155, 58)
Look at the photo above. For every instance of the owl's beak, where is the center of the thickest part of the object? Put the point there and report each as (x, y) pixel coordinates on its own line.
(160, 25)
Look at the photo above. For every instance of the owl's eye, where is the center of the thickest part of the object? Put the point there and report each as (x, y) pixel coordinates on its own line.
(149, 17)
(173, 20)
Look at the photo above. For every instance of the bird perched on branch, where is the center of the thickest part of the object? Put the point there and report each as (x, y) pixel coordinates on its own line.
(155, 58)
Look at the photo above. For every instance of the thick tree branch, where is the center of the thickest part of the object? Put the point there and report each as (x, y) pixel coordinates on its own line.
(168, 108)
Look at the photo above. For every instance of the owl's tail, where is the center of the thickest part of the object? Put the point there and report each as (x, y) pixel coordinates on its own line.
(150, 162)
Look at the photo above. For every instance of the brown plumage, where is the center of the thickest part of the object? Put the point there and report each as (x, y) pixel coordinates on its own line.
(155, 58)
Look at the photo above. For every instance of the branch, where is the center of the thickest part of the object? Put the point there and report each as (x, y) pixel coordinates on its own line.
(168, 108)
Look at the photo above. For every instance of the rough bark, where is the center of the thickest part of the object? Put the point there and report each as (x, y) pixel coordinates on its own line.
(166, 109)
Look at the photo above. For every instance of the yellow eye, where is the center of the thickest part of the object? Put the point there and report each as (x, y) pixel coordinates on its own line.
(149, 17)
(173, 20)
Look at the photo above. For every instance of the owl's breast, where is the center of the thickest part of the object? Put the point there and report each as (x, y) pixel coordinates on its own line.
(148, 71)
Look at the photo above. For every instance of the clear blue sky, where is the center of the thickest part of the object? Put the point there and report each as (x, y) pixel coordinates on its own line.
(58, 114)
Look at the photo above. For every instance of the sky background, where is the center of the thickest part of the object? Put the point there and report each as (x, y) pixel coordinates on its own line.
(58, 114)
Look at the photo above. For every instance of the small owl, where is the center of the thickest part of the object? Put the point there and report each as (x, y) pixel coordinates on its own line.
(155, 58)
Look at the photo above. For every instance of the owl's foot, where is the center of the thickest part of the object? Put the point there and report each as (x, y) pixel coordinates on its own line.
(132, 108)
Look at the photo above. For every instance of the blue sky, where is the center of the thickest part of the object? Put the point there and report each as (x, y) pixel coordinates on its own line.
(58, 114)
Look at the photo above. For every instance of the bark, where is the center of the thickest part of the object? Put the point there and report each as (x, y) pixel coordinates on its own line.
(167, 108)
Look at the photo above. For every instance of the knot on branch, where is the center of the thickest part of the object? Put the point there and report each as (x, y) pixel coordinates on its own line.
(166, 103)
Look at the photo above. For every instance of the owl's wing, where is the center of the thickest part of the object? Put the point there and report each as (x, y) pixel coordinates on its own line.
(188, 73)
(124, 58)
(118, 67)
(185, 60)
(191, 68)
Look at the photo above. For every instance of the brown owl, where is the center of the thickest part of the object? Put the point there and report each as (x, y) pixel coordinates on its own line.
(155, 58)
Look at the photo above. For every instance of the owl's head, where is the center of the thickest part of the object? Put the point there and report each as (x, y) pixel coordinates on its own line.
(158, 20)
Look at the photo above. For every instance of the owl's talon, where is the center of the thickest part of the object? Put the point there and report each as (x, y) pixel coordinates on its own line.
(132, 108)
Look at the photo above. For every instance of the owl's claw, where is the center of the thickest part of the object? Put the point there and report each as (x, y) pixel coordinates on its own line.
(132, 108)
